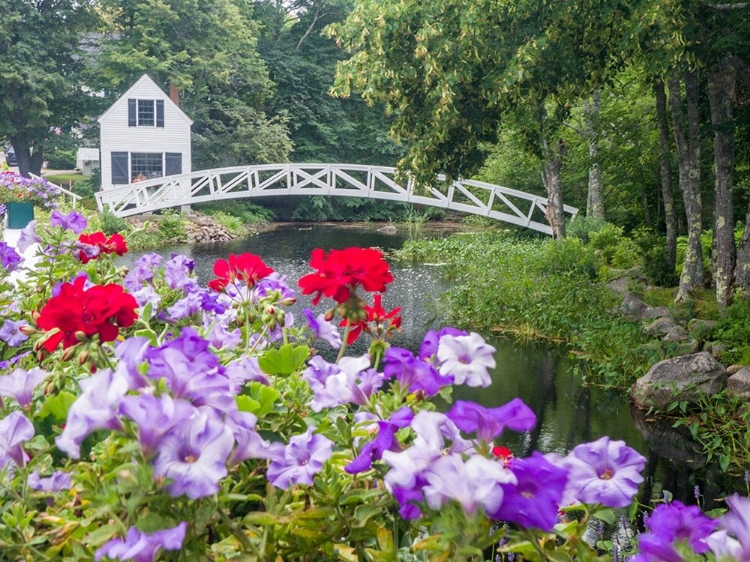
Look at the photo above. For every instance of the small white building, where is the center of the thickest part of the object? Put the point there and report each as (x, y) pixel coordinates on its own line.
(144, 135)
(87, 160)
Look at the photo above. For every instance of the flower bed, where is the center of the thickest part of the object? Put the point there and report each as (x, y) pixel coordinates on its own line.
(145, 416)
(14, 188)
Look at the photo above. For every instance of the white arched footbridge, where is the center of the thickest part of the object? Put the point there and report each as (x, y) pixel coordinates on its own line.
(348, 180)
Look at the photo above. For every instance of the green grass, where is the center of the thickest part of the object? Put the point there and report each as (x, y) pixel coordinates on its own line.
(66, 178)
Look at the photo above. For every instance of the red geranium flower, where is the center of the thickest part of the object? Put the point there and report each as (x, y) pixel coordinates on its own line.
(115, 244)
(247, 268)
(342, 271)
(101, 309)
(379, 322)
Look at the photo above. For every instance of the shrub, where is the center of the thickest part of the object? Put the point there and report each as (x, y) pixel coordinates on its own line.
(172, 226)
(111, 223)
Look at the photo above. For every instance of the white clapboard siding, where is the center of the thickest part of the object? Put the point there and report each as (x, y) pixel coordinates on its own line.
(117, 136)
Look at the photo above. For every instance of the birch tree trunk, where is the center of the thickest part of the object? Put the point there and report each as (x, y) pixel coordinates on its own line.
(688, 152)
(553, 160)
(595, 199)
(665, 173)
(721, 87)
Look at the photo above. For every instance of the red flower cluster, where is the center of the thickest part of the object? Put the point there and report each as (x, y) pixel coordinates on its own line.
(379, 323)
(342, 271)
(115, 244)
(101, 309)
(247, 268)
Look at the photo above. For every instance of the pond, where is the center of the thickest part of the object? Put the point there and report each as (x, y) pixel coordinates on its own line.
(542, 375)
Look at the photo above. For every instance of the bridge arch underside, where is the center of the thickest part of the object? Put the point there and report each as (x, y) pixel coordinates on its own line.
(371, 182)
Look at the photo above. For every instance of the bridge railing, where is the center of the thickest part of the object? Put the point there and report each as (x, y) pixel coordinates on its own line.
(349, 180)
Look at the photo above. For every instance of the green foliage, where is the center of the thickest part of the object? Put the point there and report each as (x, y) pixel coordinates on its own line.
(614, 247)
(541, 289)
(231, 222)
(172, 226)
(582, 227)
(111, 223)
(245, 210)
(655, 263)
(733, 330)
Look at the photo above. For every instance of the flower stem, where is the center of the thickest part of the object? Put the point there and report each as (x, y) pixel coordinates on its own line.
(344, 340)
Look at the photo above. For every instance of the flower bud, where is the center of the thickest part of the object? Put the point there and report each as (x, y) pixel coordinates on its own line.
(270, 310)
(69, 353)
(289, 301)
(329, 314)
(81, 336)
(83, 357)
(28, 330)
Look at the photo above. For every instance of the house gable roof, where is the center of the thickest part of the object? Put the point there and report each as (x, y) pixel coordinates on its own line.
(146, 79)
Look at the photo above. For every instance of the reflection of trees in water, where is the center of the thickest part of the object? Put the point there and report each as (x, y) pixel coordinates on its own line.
(545, 398)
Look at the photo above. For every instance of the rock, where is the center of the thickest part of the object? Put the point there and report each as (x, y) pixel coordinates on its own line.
(677, 333)
(732, 369)
(656, 312)
(390, 229)
(739, 384)
(685, 378)
(717, 348)
(619, 285)
(688, 347)
(661, 326)
(701, 328)
(632, 307)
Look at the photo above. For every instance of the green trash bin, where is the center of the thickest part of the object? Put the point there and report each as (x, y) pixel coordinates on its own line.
(20, 214)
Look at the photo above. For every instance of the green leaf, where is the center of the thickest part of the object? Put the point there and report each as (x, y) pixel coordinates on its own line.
(247, 404)
(606, 515)
(362, 513)
(57, 406)
(265, 396)
(286, 360)
(723, 462)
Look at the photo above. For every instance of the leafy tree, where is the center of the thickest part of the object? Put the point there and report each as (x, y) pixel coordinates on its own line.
(208, 50)
(40, 68)
(449, 70)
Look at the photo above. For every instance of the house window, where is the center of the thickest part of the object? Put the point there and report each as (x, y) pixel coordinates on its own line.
(145, 166)
(146, 113)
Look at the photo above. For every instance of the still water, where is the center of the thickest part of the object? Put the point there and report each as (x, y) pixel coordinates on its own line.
(543, 376)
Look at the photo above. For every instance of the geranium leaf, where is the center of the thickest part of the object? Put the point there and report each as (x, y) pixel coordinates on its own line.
(286, 360)
(57, 406)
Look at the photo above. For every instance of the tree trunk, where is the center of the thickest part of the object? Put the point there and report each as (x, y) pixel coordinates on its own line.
(688, 152)
(29, 158)
(666, 173)
(721, 86)
(595, 199)
(553, 160)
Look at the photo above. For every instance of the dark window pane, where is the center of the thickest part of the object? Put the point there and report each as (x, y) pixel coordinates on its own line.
(145, 166)
(159, 113)
(131, 112)
(146, 112)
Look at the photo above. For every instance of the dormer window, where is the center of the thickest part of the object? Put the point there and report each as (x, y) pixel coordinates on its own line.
(145, 113)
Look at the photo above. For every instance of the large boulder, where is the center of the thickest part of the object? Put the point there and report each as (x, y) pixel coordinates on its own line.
(739, 384)
(685, 378)
(632, 307)
(656, 312)
(661, 326)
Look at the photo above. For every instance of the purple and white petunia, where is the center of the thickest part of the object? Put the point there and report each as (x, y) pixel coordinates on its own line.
(154, 416)
(385, 441)
(733, 540)
(353, 382)
(142, 547)
(672, 522)
(466, 359)
(11, 334)
(20, 384)
(414, 374)
(193, 455)
(28, 237)
(300, 460)
(603, 471)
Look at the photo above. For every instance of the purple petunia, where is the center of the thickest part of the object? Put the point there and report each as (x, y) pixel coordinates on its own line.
(605, 472)
(322, 329)
(733, 540)
(20, 384)
(466, 359)
(9, 258)
(15, 430)
(414, 374)
(385, 441)
(73, 221)
(11, 334)
(142, 547)
(429, 347)
(193, 455)
(93, 409)
(488, 423)
(674, 522)
(349, 381)
(534, 500)
(154, 416)
(57, 482)
(300, 460)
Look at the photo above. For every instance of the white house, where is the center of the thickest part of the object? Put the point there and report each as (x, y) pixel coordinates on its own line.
(144, 135)
(87, 160)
